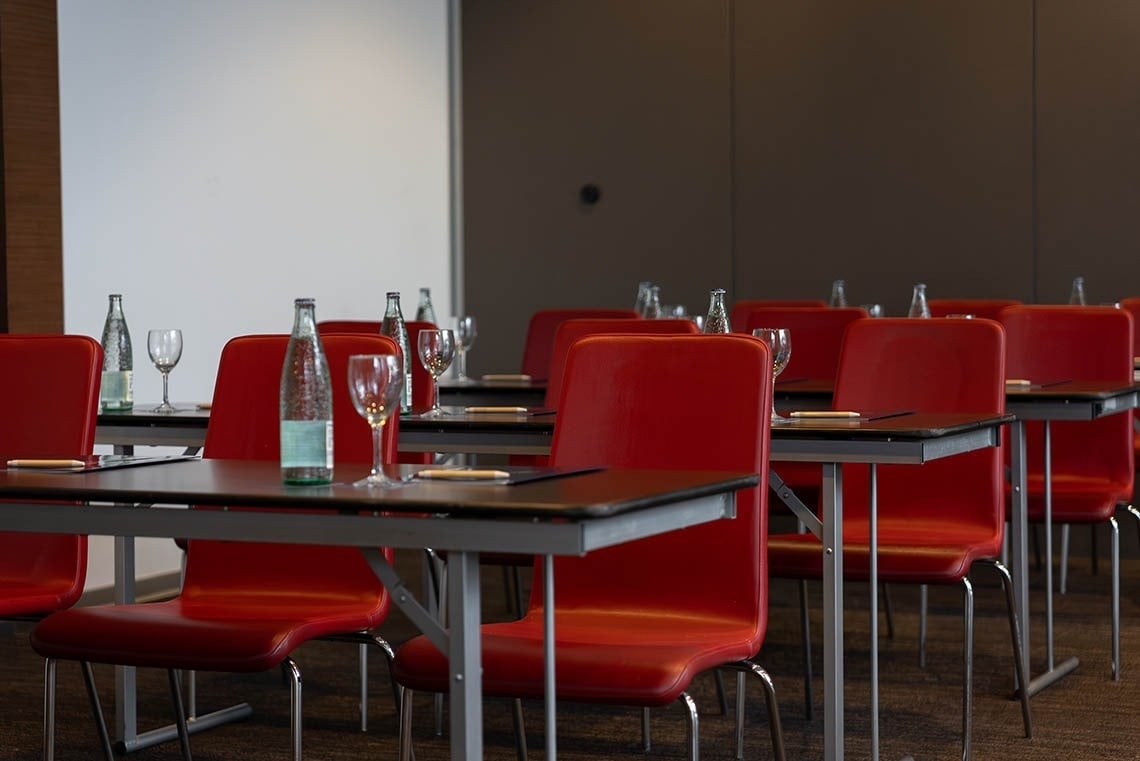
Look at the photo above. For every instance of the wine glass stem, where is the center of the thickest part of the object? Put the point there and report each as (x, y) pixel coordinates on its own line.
(165, 394)
(435, 397)
(462, 363)
(377, 435)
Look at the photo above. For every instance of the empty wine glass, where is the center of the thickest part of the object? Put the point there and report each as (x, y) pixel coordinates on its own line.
(465, 333)
(374, 385)
(165, 349)
(436, 349)
(779, 342)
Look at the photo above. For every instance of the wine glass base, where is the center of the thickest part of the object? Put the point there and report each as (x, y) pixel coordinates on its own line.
(779, 419)
(165, 409)
(377, 481)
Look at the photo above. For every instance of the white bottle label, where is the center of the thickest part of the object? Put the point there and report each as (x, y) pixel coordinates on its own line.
(306, 444)
(116, 389)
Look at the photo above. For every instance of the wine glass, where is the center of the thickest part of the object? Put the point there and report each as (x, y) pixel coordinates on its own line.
(436, 349)
(374, 384)
(779, 342)
(165, 349)
(465, 333)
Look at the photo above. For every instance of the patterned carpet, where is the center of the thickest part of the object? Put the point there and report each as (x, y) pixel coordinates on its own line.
(1085, 716)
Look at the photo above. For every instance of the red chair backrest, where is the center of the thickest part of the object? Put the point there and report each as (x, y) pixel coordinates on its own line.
(543, 326)
(933, 366)
(571, 330)
(671, 402)
(739, 311)
(52, 384)
(988, 308)
(1132, 306)
(817, 334)
(1053, 343)
(244, 424)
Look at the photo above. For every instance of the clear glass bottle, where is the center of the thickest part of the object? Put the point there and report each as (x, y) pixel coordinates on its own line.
(306, 403)
(394, 327)
(839, 293)
(425, 312)
(918, 305)
(653, 304)
(116, 389)
(642, 297)
(716, 321)
(1077, 296)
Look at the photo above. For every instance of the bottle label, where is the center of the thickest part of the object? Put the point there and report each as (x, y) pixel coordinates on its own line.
(116, 390)
(306, 444)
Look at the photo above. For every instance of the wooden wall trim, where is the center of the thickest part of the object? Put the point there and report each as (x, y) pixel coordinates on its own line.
(31, 230)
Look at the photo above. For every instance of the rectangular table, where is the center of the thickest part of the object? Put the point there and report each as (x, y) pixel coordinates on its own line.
(1071, 400)
(571, 515)
(903, 439)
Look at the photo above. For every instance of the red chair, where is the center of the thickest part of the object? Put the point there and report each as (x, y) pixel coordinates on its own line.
(1132, 306)
(1093, 462)
(542, 328)
(243, 607)
(688, 601)
(54, 380)
(987, 308)
(739, 311)
(936, 520)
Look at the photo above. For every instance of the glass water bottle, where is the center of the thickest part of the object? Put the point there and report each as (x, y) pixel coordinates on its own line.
(642, 301)
(425, 312)
(653, 304)
(716, 321)
(839, 293)
(306, 403)
(918, 305)
(116, 389)
(395, 328)
(1077, 296)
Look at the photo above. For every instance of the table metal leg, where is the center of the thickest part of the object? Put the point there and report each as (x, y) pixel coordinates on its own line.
(1019, 548)
(126, 725)
(465, 656)
(548, 656)
(873, 552)
(832, 539)
(1053, 672)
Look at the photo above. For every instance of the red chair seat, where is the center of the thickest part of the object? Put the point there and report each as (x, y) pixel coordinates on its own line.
(199, 635)
(29, 597)
(615, 657)
(926, 553)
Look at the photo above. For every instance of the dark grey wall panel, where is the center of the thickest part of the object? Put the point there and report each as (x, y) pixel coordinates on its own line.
(632, 97)
(1088, 160)
(886, 142)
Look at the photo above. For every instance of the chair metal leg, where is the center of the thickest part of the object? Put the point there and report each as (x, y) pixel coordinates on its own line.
(362, 649)
(1094, 559)
(519, 727)
(1064, 571)
(293, 674)
(740, 716)
(967, 666)
(923, 595)
(888, 610)
(179, 713)
(49, 709)
(694, 735)
(774, 725)
(405, 734)
(97, 709)
(1015, 637)
(1115, 528)
(646, 742)
(805, 635)
(721, 694)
